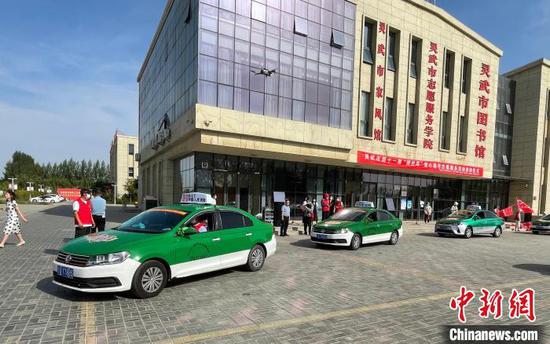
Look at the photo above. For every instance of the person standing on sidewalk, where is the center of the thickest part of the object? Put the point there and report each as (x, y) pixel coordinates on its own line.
(83, 219)
(12, 223)
(325, 207)
(99, 206)
(307, 209)
(427, 212)
(338, 205)
(285, 214)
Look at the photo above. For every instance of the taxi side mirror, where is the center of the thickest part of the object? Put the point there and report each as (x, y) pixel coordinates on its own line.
(475, 217)
(184, 231)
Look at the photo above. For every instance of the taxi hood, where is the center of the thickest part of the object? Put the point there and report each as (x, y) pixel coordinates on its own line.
(334, 224)
(109, 241)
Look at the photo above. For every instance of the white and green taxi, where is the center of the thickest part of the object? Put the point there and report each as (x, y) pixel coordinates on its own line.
(162, 244)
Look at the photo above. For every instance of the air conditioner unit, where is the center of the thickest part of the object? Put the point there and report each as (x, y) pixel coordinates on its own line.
(137, 157)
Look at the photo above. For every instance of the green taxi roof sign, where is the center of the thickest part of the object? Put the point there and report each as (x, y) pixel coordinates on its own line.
(197, 198)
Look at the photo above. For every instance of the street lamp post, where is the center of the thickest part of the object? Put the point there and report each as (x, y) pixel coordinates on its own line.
(114, 193)
(12, 184)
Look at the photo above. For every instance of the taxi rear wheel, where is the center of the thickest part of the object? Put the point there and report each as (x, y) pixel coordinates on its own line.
(256, 258)
(149, 279)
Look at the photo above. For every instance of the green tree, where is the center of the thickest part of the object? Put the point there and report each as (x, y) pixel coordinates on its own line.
(22, 166)
(131, 189)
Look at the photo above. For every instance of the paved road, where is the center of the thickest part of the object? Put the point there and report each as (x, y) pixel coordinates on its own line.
(304, 294)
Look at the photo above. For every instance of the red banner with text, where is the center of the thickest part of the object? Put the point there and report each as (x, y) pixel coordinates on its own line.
(366, 158)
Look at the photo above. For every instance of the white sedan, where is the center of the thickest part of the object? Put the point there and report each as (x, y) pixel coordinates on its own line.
(49, 198)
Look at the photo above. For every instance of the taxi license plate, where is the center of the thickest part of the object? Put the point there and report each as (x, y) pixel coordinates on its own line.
(65, 272)
(322, 236)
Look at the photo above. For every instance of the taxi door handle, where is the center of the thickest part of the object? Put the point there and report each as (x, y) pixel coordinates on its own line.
(248, 234)
(216, 239)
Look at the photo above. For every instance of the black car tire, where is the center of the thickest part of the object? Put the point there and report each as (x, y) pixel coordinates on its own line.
(535, 232)
(440, 234)
(498, 232)
(468, 233)
(355, 242)
(256, 258)
(394, 238)
(156, 273)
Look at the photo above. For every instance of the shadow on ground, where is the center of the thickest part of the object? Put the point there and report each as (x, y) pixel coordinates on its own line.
(46, 286)
(114, 214)
(543, 269)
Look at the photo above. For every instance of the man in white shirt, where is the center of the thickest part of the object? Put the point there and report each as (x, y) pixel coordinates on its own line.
(285, 215)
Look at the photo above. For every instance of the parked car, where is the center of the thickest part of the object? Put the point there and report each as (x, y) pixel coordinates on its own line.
(48, 198)
(162, 244)
(469, 222)
(541, 225)
(364, 204)
(353, 227)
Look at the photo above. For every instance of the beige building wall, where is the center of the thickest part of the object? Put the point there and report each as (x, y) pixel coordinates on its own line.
(217, 130)
(530, 139)
(122, 161)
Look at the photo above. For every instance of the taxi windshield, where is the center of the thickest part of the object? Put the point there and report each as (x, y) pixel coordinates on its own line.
(153, 221)
(354, 215)
(461, 214)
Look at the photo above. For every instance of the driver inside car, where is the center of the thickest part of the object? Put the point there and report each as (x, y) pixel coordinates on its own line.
(200, 225)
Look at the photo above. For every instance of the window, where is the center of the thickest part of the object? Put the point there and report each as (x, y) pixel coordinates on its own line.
(365, 119)
(449, 67)
(131, 149)
(389, 133)
(131, 172)
(202, 223)
(466, 72)
(258, 11)
(382, 216)
(300, 26)
(445, 141)
(372, 216)
(462, 134)
(415, 44)
(392, 50)
(505, 160)
(368, 43)
(231, 220)
(411, 124)
(337, 39)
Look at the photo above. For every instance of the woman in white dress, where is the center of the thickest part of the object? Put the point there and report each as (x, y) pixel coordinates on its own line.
(12, 223)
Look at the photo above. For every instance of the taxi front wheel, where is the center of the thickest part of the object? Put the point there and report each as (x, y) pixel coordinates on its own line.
(256, 258)
(149, 279)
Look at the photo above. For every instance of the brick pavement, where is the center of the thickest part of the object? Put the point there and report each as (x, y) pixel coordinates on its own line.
(380, 293)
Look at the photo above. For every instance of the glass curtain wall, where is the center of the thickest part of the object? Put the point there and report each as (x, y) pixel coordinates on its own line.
(249, 183)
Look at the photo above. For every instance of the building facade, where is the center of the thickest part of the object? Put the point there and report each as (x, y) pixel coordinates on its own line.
(123, 163)
(530, 145)
(389, 101)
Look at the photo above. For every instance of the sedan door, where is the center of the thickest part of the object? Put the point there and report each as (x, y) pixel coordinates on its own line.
(236, 238)
(198, 252)
(478, 223)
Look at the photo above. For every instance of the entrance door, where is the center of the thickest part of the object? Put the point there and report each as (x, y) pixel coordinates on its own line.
(255, 193)
(244, 192)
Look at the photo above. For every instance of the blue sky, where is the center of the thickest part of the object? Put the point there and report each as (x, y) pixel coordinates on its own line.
(68, 68)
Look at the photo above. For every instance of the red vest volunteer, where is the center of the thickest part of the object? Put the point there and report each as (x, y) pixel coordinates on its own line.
(82, 209)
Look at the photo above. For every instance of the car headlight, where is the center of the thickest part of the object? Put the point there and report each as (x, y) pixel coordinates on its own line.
(342, 231)
(106, 259)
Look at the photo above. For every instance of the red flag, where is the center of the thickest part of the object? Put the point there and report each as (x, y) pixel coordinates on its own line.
(524, 207)
(509, 211)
